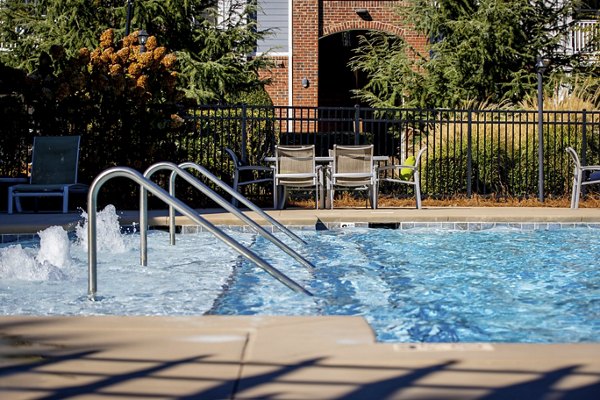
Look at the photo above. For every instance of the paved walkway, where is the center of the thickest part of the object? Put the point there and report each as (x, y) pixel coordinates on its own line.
(254, 357)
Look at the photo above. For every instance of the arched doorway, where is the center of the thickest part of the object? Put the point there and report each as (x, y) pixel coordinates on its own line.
(336, 80)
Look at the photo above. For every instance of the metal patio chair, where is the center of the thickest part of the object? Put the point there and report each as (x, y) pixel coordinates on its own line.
(406, 173)
(353, 168)
(579, 171)
(295, 168)
(54, 165)
(244, 174)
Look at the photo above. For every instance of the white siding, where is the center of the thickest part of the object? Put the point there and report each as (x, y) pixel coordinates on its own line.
(273, 15)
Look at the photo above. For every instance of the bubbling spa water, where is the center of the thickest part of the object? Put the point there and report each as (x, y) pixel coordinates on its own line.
(415, 285)
(49, 276)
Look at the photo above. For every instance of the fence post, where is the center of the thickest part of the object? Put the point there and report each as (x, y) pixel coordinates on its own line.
(244, 145)
(540, 138)
(583, 144)
(356, 123)
(470, 154)
(583, 136)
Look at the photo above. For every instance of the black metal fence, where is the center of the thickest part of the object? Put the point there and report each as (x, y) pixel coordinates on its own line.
(485, 152)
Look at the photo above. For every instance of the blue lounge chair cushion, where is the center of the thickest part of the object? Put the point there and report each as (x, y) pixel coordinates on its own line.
(595, 176)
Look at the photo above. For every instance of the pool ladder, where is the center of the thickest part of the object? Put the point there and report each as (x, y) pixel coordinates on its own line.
(147, 185)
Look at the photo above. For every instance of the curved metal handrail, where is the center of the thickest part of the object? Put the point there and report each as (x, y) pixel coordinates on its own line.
(177, 171)
(147, 185)
(241, 199)
(237, 196)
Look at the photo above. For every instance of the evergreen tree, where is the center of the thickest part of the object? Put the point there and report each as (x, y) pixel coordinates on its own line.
(29, 28)
(479, 50)
(214, 57)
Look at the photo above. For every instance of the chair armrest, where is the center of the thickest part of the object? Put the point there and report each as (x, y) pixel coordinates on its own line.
(254, 168)
(396, 166)
(591, 168)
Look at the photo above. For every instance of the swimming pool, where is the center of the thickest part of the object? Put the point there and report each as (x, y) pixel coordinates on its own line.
(420, 284)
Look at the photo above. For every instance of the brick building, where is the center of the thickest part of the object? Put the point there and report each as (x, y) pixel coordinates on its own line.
(312, 42)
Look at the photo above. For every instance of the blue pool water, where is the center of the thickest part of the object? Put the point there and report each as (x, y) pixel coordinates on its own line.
(414, 285)
(431, 285)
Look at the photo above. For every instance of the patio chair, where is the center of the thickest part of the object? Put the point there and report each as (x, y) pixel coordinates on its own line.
(353, 168)
(54, 165)
(295, 168)
(244, 174)
(406, 173)
(591, 172)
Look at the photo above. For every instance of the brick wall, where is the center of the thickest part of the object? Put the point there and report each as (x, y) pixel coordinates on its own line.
(305, 45)
(313, 19)
(278, 74)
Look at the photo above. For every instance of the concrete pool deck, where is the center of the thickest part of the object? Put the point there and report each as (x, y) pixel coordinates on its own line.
(250, 357)
(33, 222)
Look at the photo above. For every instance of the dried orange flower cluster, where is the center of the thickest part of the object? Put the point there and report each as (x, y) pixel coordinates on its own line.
(144, 74)
(113, 76)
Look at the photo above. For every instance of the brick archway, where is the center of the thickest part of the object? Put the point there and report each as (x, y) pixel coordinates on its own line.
(296, 80)
(364, 26)
(336, 80)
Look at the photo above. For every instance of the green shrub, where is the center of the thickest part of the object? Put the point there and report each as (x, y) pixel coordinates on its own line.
(445, 170)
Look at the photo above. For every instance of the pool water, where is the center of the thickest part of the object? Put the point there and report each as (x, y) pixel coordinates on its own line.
(414, 285)
(429, 285)
(50, 276)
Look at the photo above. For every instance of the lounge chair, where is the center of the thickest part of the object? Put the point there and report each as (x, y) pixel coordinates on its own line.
(591, 172)
(295, 168)
(54, 165)
(244, 174)
(352, 167)
(406, 173)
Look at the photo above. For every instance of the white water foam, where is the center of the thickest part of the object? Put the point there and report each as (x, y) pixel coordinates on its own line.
(53, 257)
(19, 263)
(55, 248)
(108, 231)
(50, 277)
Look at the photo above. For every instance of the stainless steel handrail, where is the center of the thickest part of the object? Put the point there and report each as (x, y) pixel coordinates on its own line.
(192, 180)
(239, 197)
(147, 185)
